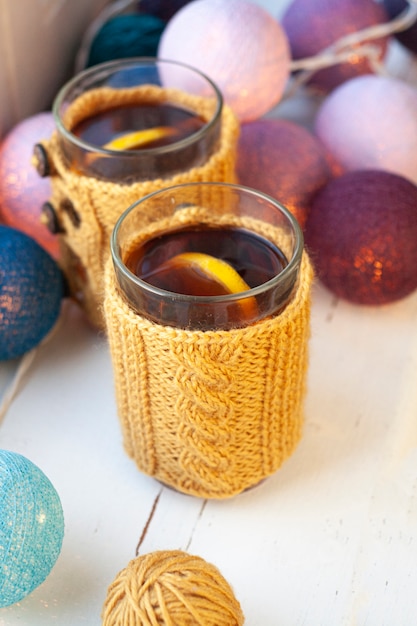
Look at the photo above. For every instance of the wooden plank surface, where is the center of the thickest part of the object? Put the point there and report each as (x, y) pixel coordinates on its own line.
(329, 539)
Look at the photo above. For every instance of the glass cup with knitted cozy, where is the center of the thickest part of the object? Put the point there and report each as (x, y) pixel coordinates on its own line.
(206, 305)
(138, 119)
(207, 256)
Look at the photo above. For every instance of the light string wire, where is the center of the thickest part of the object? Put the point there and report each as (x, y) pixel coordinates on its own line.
(23, 368)
(350, 46)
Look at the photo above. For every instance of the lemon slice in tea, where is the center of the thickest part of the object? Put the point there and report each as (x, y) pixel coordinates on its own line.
(139, 138)
(220, 272)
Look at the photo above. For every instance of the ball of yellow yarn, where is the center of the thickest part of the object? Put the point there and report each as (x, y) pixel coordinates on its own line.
(171, 588)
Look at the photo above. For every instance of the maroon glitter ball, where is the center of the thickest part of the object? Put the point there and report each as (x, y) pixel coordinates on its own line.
(362, 234)
(313, 25)
(284, 160)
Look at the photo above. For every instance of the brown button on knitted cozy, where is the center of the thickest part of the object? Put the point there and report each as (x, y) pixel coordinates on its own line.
(210, 413)
(98, 204)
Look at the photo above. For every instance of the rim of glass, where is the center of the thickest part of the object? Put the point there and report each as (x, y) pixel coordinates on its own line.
(253, 291)
(125, 63)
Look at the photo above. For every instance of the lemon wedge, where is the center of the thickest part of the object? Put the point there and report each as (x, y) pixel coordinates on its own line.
(221, 272)
(139, 138)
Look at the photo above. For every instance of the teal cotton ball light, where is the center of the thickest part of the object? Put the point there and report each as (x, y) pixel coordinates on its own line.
(126, 36)
(31, 527)
(31, 292)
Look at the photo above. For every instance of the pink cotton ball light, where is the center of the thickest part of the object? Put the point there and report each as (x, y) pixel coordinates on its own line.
(314, 25)
(239, 45)
(361, 233)
(284, 160)
(22, 190)
(370, 122)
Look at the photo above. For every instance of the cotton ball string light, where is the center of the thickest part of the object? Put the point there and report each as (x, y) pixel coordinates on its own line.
(164, 9)
(361, 233)
(171, 587)
(370, 122)
(312, 26)
(22, 190)
(284, 160)
(31, 291)
(31, 527)
(125, 36)
(408, 36)
(238, 44)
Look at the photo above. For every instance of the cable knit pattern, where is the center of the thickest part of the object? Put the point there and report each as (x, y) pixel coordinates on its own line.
(99, 203)
(210, 413)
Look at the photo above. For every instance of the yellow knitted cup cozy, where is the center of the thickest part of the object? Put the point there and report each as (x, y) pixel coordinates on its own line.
(210, 413)
(87, 208)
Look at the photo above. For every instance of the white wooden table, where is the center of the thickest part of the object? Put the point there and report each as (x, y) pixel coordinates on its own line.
(329, 540)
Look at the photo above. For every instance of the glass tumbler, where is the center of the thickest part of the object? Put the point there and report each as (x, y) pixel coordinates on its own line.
(207, 301)
(124, 129)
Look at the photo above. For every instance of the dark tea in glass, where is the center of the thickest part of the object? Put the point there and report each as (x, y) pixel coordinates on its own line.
(207, 261)
(214, 272)
(138, 119)
(139, 126)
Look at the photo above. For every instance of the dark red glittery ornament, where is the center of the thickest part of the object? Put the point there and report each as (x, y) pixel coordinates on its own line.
(361, 233)
(314, 25)
(284, 160)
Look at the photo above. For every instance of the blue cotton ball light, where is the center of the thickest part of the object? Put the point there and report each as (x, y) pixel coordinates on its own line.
(31, 292)
(31, 527)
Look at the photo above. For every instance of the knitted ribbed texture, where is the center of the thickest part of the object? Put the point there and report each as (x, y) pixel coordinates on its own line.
(171, 588)
(210, 413)
(99, 203)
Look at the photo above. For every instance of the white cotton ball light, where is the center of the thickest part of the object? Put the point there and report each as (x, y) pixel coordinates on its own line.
(239, 45)
(370, 122)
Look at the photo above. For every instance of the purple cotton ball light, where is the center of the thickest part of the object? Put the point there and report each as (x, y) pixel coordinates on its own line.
(163, 9)
(361, 233)
(22, 190)
(238, 44)
(314, 25)
(370, 122)
(284, 160)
